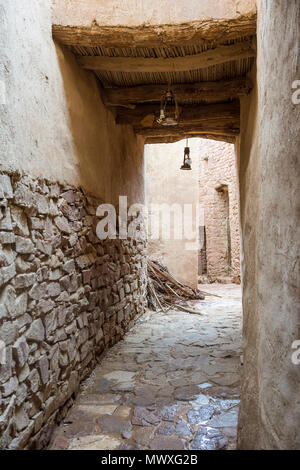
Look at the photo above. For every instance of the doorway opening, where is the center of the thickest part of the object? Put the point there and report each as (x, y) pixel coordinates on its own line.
(199, 239)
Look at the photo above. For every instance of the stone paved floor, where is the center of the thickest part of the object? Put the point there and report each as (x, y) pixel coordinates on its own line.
(172, 383)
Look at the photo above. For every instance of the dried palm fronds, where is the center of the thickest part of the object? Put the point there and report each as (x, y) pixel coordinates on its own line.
(164, 291)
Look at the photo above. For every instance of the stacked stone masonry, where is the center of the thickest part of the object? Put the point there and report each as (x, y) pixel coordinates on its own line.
(218, 195)
(65, 296)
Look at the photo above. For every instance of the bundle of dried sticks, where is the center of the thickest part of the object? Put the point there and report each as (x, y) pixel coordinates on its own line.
(164, 291)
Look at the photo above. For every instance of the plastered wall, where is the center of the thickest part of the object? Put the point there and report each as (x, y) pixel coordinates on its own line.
(53, 123)
(269, 185)
(136, 12)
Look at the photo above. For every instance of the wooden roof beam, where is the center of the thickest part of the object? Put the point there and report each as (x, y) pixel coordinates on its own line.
(73, 27)
(219, 115)
(187, 131)
(219, 55)
(220, 91)
(171, 139)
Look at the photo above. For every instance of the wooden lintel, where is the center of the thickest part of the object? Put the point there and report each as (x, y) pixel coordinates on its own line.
(219, 90)
(212, 116)
(185, 131)
(171, 139)
(218, 55)
(165, 35)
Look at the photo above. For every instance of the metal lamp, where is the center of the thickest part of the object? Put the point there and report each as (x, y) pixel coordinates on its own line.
(187, 162)
(169, 111)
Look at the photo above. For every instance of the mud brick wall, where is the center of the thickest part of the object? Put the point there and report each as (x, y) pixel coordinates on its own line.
(65, 296)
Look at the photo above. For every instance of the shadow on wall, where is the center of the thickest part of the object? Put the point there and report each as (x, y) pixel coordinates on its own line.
(109, 156)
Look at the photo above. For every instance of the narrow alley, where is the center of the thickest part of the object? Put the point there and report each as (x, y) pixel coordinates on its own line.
(172, 383)
(149, 153)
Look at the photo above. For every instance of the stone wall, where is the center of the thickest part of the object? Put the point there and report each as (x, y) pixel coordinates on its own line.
(217, 167)
(65, 296)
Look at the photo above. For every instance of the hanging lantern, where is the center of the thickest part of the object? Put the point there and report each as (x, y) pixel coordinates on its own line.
(169, 111)
(187, 162)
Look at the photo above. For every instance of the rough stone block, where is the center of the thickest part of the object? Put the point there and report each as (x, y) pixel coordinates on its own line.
(7, 273)
(73, 282)
(37, 223)
(23, 196)
(34, 380)
(6, 369)
(23, 321)
(73, 239)
(43, 366)
(7, 302)
(70, 196)
(9, 387)
(6, 190)
(53, 289)
(83, 336)
(50, 323)
(7, 238)
(24, 245)
(60, 335)
(44, 246)
(45, 305)
(55, 275)
(20, 305)
(42, 274)
(38, 291)
(23, 373)
(19, 220)
(23, 266)
(71, 329)
(69, 266)
(20, 351)
(21, 394)
(25, 280)
(8, 332)
(63, 224)
(21, 418)
(7, 256)
(41, 203)
(36, 331)
(65, 283)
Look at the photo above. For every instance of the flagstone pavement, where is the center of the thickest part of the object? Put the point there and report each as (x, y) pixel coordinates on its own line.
(172, 383)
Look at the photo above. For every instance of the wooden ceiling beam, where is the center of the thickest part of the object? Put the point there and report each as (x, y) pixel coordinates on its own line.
(220, 91)
(70, 32)
(171, 139)
(219, 55)
(187, 131)
(217, 115)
